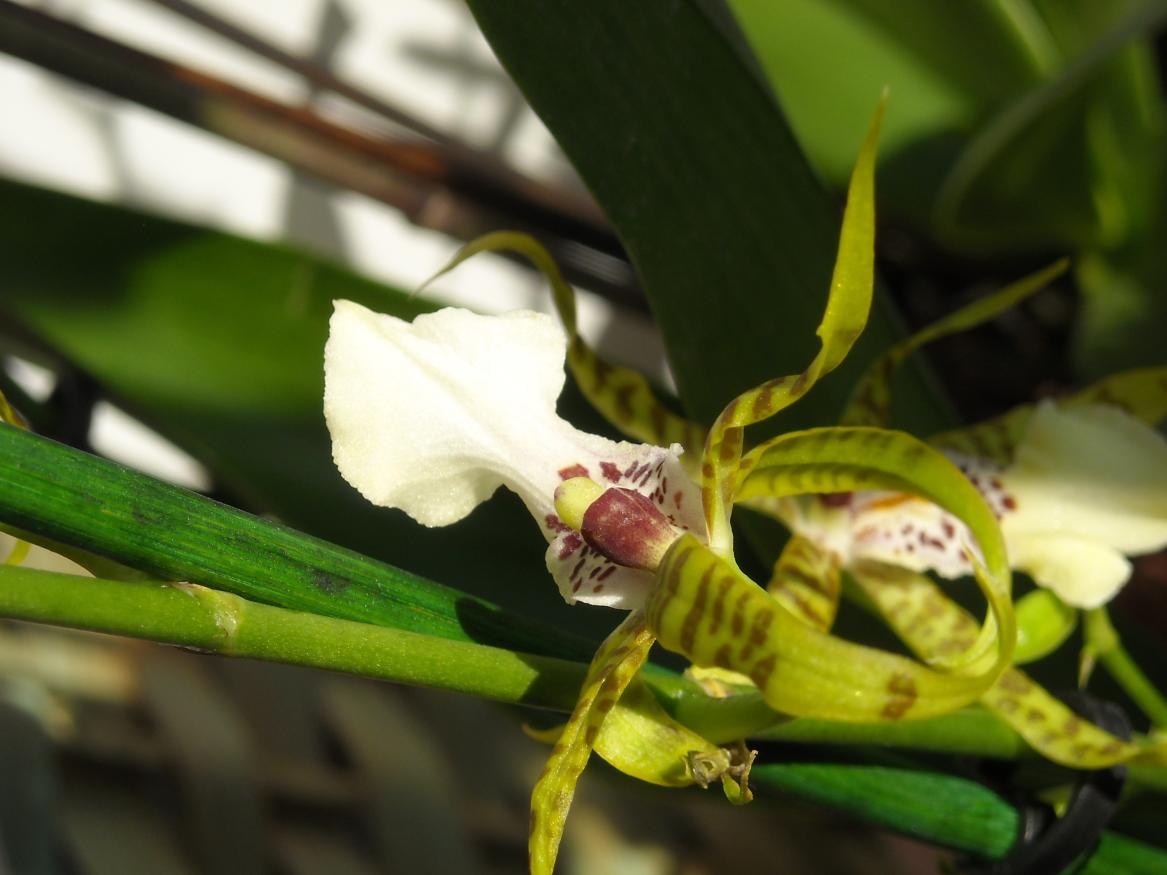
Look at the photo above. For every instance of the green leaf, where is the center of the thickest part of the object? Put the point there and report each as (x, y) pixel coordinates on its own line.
(683, 146)
(945, 64)
(69, 496)
(217, 342)
(1067, 162)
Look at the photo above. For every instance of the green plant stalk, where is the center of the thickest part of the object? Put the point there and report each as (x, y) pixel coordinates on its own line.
(946, 810)
(60, 493)
(1104, 639)
(219, 622)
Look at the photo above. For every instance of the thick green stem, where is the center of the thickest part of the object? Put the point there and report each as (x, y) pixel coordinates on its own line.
(54, 491)
(943, 809)
(1102, 638)
(219, 622)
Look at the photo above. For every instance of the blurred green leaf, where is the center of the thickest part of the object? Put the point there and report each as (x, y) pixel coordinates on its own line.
(683, 146)
(1065, 163)
(217, 342)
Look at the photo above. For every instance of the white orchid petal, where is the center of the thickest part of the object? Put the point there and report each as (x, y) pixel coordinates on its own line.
(587, 576)
(910, 532)
(432, 416)
(1081, 573)
(1093, 473)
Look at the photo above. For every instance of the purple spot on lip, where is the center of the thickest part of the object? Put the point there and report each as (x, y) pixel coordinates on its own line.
(570, 471)
(570, 544)
(610, 471)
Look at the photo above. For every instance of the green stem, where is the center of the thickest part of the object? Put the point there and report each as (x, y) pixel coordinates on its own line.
(1103, 639)
(219, 622)
(947, 810)
(56, 492)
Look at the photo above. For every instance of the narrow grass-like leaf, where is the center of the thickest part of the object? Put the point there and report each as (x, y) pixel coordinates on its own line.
(97, 505)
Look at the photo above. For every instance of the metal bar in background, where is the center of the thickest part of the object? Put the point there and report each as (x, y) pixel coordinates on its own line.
(438, 186)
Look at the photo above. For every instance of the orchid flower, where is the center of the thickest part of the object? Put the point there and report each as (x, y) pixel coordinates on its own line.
(1077, 485)
(432, 417)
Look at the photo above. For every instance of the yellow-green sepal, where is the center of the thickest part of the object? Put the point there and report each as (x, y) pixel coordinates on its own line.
(919, 612)
(612, 669)
(703, 607)
(1141, 393)
(870, 402)
(848, 305)
(640, 739)
(855, 459)
(806, 581)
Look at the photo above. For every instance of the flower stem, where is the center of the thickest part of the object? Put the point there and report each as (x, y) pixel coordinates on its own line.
(219, 622)
(1102, 638)
(920, 804)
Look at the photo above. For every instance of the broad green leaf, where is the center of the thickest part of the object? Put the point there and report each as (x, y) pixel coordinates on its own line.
(1090, 124)
(945, 65)
(682, 145)
(1124, 298)
(217, 342)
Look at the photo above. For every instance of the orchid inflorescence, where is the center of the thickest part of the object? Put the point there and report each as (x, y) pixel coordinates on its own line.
(431, 417)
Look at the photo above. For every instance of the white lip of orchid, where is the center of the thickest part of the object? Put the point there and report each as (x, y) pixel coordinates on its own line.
(432, 416)
(1087, 485)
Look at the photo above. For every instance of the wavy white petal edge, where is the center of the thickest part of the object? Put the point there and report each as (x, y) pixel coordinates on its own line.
(432, 416)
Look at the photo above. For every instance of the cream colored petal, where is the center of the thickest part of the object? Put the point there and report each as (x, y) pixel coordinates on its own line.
(1093, 473)
(432, 416)
(909, 532)
(1082, 573)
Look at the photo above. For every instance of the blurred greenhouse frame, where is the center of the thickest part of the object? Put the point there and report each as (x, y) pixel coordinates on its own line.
(188, 186)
